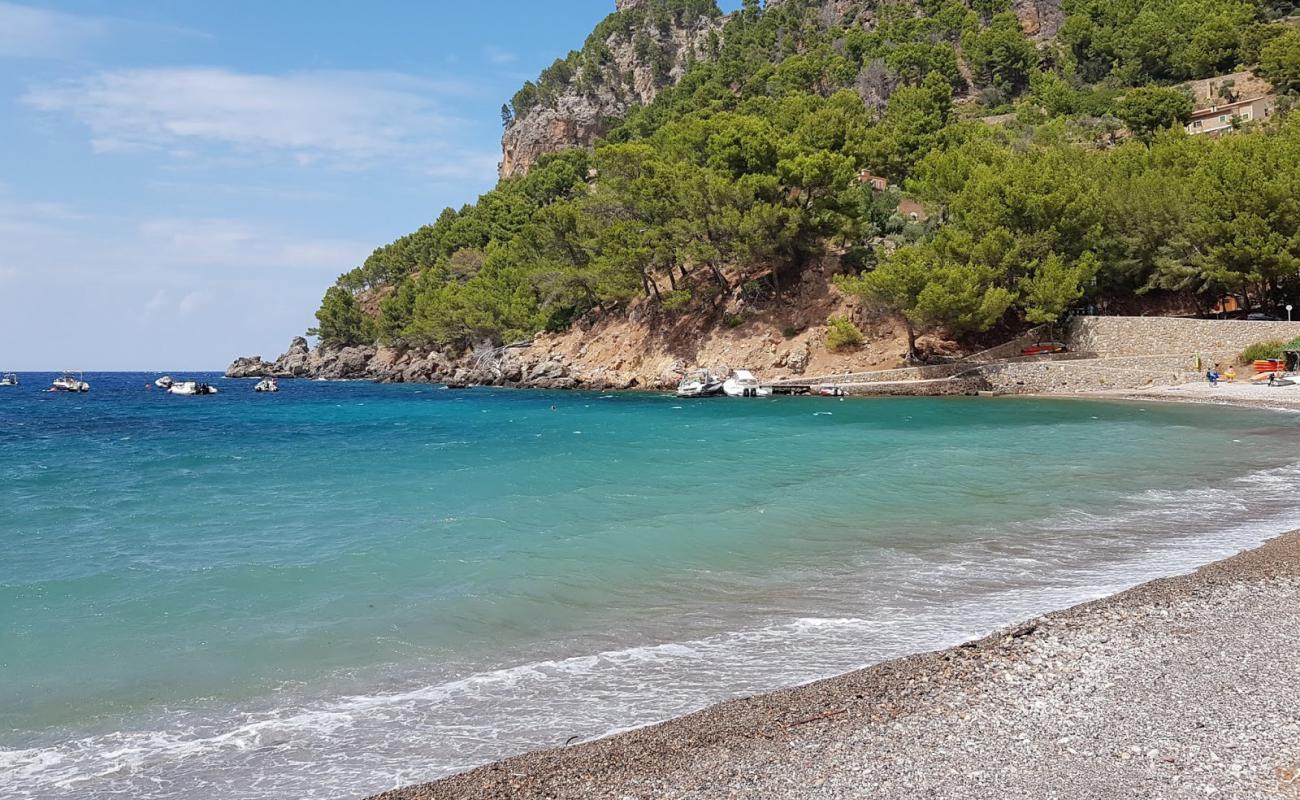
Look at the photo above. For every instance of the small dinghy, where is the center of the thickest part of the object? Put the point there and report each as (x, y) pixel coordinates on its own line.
(267, 385)
(191, 388)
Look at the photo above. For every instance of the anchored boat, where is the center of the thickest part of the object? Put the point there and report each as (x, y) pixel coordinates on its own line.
(191, 388)
(267, 385)
(70, 382)
(9, 379)
(742, 383)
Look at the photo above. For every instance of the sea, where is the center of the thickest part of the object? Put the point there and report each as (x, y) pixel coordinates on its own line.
(345, 587)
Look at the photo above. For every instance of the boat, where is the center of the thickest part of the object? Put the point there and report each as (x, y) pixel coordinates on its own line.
(830, 391)
(267, 385)
(165, 382)
(700, 383)
(191, 388)
(70, 382)
(742, 383)
(9, 379)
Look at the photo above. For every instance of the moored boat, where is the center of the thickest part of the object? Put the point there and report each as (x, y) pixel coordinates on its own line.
(742, 383)
(70, 382)
(700, 383)
(9, 379)
(191, 388)
(267, 385)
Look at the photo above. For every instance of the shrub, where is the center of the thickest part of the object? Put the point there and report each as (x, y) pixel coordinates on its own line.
(842, 334)
(733, 320)
(791, 331)
(1261, 350)
(675, 299)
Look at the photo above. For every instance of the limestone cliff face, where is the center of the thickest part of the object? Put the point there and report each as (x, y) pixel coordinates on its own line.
(638, 63)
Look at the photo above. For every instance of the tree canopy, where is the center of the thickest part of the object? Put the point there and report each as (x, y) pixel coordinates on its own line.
(746, 169)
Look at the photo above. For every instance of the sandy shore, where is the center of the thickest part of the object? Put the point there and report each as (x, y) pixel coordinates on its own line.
(1182, 687)
(1237, 393)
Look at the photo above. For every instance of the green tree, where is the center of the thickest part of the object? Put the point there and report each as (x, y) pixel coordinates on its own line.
(1148, 109)
(1000, 53)
(1279, 61)
(340, 319)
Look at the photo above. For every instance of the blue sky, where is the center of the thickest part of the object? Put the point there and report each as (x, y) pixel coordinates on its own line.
(180, 181)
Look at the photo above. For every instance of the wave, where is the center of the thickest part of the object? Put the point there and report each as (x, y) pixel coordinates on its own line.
(899, 602)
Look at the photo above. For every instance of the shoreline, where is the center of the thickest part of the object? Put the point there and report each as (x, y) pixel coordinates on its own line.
(892, 729)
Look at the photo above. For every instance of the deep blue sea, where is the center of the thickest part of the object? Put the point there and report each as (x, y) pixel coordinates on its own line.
(344, 587)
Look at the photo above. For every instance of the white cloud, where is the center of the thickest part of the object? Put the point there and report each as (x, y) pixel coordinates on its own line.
(242, 286)
(499, 56)
(191, 301)
(27, 32)
(348, 118)
(469, 167)
(238, 243)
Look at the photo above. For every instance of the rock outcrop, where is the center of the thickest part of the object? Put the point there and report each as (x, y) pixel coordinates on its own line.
(1041, 20)
(300, 361)
(638, 63)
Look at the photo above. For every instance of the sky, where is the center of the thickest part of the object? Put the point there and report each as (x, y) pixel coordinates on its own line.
(181, 180)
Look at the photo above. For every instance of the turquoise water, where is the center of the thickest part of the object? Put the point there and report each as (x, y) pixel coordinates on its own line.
(346, 587)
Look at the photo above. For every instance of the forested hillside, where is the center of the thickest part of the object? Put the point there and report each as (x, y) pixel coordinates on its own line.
(746, 168)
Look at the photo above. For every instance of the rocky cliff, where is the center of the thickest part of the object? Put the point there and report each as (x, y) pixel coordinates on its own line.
(625, 67)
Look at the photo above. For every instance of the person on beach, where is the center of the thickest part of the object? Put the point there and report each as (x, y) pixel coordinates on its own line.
(1230, 374)
(1213, 376)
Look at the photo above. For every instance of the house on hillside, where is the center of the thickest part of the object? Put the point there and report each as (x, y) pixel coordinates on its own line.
(1227, 117)
(874, 181)
(908, 208)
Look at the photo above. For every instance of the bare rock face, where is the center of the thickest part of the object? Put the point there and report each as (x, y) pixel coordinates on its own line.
(343, 363)
(249, 367)
(577, 117)
(294, 362)
(1040, 19)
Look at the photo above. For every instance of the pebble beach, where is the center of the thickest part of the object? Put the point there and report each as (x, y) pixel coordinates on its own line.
(1182, 687)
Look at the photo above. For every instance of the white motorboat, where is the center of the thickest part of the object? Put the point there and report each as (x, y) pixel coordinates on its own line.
(699, 383)
(267, 385)
(742, 383)
(9, 379)
(70, 382)
(191, 388)
(165, 382)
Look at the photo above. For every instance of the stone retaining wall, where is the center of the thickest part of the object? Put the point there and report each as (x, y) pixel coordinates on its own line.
(1073, 377)
(1060, 377)
(1138, 336)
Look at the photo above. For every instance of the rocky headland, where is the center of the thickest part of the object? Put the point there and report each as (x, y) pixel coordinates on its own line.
(636, 347)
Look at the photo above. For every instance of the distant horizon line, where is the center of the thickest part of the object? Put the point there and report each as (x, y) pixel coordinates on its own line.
(4, 370)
